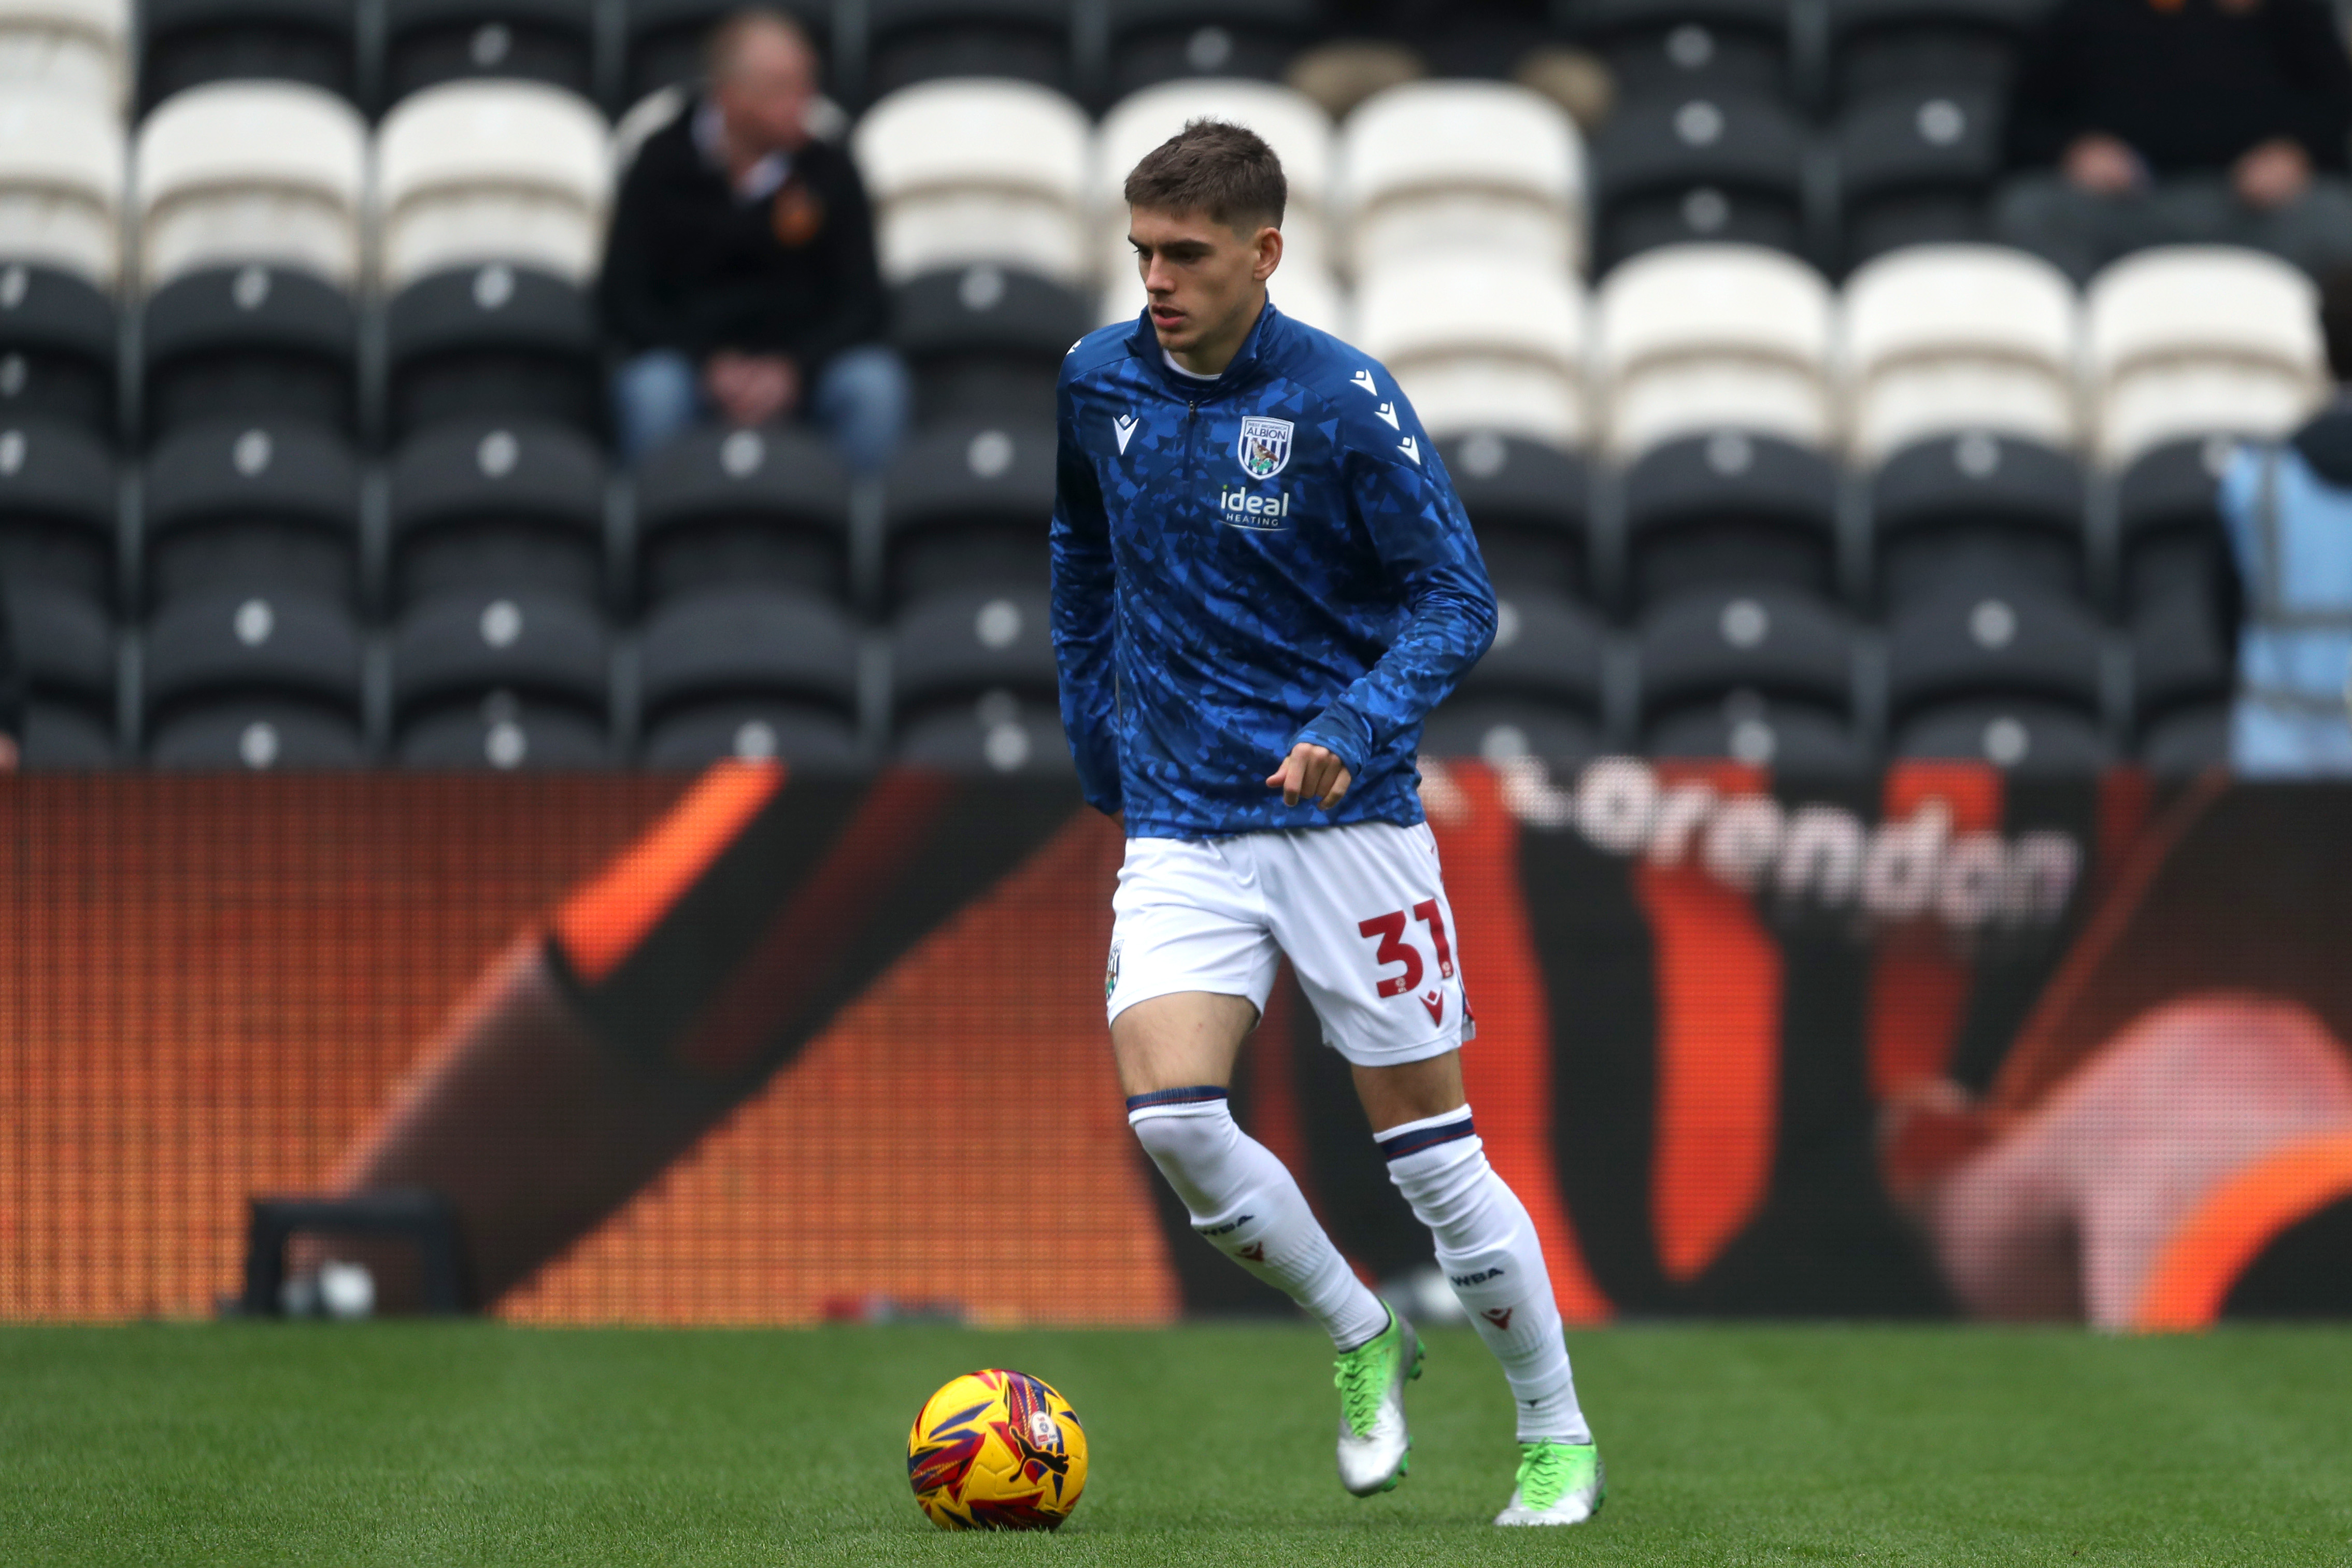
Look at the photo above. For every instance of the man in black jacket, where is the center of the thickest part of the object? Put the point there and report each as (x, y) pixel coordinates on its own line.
(2166, 121)
(740, 273)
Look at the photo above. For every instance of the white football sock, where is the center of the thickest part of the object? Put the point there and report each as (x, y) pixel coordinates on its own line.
(1245, 1205)
(1488, 1248)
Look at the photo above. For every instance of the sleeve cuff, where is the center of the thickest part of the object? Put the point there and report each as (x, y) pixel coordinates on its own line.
(1342, 735)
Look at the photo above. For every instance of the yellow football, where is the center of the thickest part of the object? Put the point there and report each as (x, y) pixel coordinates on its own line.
(997, 1450)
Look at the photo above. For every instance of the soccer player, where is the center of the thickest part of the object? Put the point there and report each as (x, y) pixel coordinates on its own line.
(1263, 581)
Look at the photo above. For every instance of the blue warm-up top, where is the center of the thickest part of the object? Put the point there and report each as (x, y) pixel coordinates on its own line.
(1240, 563)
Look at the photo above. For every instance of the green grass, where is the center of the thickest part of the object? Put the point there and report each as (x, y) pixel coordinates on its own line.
(419, 1444)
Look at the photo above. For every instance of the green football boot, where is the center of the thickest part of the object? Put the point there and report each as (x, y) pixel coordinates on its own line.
(1375, 1449)
(1560, 1483)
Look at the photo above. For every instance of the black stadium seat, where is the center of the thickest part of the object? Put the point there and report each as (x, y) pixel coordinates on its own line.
(252, 342)
(1761, 675)
(495, 340)
(969, 503)
(231, 507)
(501, 680)
(666, 37)
(59, 510)
(186, 43)
(973, 684)
(516, 506)
(1163, 40)
(750, 672)
(2015, 678)
(57, 353)
(1528, 502)
(1915, 167)
(1682, 48)
(430, 41)
(1537, 692)
(723, 507)
(1734, 508)
(2182, 677)
(1988, 510)
(1717, 166)
(907, 41)
(985, 341)
(1951, 46)
(255, 681)
(64, 656)
(2170, 539)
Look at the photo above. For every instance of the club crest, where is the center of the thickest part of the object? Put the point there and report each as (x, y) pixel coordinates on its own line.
(1264, 449)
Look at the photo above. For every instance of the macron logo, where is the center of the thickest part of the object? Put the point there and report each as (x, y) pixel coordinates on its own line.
(1410, 448)
(1387, 411)
(1125, 426)
(1363, 378)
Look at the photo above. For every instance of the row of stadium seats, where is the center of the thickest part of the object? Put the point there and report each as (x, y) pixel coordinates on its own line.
(966, 677)
(378, 51)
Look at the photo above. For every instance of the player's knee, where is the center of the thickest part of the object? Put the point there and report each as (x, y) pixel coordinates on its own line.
(1193, 1138)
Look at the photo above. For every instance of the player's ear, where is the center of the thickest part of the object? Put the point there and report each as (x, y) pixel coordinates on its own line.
(1268, 245)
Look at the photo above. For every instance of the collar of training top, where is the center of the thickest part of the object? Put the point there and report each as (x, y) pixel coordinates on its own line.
(1246, 366)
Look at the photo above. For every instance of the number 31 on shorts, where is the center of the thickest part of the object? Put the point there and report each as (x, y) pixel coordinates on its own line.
(1388, 931)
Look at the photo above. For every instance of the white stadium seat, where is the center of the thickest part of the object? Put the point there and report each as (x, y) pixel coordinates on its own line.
(1304, 293)
(76, 45)
(251, 171)
(1293, 124)
(1705, 337)
(2195, 339)
(971, 169)
(62, 162)
(1940, 338)
(471, 171)
(1481, 344)
(1462, 165)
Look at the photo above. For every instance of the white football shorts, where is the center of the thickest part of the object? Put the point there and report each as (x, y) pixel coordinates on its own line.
(1360, 911)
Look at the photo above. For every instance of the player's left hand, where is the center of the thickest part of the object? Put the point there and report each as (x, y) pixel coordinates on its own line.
(1311, 772)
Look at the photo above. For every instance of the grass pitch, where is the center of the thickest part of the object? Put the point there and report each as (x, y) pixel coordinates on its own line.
(472, 1443)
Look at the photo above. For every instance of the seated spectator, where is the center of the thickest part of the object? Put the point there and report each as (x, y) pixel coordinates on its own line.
(739, 274)
(2169, 121)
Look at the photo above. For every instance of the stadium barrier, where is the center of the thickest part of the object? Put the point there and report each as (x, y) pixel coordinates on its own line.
(753, 1048)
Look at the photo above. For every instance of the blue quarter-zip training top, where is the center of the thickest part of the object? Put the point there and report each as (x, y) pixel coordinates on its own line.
(1240, 563)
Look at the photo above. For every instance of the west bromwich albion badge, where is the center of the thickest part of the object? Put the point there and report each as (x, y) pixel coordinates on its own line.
(1264, 447)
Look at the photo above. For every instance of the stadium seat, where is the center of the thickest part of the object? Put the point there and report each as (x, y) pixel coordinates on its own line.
(983, 339)
(1154, 41)
(1697, 338)
(493, 341)
(1684, 48)
(2015, 678)
(1528, 502)
(79, 45)
(2170, 538)
(1537, 692)
(2190, 340)
(195, 43)
(1759, 675)
(472, 171)
(973, 684)
(505, 680)
(2183, 672)
(749, 672)
(908, 42)
(254, 680)
(254, 342)
(1481, 167)
(1725, 167)
(1293, 124)
(1914, 168)
(723, 507)
(57, 349)
(251, 171)
(65, 658)
(1481, 344)
(665, 38)
(59, 510)
(1982, 511)
(1954, 46)
(61, 177)
(518, 507)
(230, 508)
(428, 42)
(2187, 740)
(1733, 509)
(967, 504)
(965, 171)
(1941, 338)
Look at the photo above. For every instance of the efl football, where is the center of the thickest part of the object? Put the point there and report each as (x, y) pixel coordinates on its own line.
(997, 1450)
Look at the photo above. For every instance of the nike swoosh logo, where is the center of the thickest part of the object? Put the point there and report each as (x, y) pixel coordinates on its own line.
(1126, 430)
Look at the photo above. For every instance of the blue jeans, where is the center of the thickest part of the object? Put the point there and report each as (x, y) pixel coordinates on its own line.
(860, 400)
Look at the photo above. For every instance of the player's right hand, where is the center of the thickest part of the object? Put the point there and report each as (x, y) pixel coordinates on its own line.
(1311, 772)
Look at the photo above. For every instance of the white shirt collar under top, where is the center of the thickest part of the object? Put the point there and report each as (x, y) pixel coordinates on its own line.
(762, 180)
(1180, 369)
